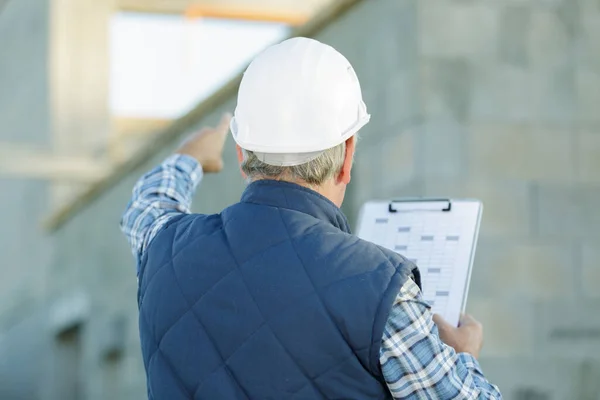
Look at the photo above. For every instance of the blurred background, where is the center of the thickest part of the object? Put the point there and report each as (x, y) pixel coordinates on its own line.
(493, 99)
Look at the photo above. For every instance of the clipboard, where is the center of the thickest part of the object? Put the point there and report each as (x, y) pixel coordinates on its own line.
(438, 235)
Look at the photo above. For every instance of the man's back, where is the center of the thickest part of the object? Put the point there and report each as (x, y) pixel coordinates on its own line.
(273, 298)
(270, 299)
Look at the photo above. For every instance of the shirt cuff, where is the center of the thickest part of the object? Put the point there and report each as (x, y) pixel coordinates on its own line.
(469, 361)
(188, 165)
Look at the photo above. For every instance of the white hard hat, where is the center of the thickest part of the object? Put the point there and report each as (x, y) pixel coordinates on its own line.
(297, 99)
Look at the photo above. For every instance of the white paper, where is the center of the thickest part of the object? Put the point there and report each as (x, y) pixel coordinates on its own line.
(441, 243)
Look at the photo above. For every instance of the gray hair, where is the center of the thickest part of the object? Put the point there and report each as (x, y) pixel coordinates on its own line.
(315, 172)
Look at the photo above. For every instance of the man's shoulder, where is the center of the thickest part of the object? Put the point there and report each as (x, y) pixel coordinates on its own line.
(327, 242)
(365, 248)
(190, 224)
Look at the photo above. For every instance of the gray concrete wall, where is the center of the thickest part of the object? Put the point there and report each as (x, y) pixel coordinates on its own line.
(496, 100)
(513, 86)
(497, 103)
(26, 254)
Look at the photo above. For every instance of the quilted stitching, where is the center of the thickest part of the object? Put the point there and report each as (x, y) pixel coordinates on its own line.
(159, 358)
(200, 322)
(148, 279)
(274, 334)
(312, 282)
(190, 309)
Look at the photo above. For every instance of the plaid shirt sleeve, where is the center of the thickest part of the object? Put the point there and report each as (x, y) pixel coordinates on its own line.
(416, 364)
(158, 196)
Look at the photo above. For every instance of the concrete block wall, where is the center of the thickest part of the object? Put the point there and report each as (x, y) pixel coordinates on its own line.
(24, 118)
(504, 112)
(495, 100)
(26, 253)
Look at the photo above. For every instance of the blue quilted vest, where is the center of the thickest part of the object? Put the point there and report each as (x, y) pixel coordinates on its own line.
(271, 299)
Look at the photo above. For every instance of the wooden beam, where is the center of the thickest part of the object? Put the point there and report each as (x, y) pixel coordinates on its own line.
(306, 7)
(17, 161)
(129, 126)
(148, 7)
(264, 14)
(175, 131)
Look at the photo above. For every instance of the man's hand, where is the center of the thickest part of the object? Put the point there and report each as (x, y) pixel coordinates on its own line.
(207, 145)
(467, 338)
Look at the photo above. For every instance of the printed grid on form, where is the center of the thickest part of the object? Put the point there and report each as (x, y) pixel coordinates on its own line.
(440, 243)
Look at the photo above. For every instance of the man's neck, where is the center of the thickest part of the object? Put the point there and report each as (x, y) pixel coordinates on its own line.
(328, 189)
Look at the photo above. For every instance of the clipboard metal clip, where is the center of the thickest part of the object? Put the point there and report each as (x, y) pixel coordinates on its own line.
(445, 207)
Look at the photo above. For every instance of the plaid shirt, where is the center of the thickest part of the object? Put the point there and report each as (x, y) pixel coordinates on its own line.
(415, 363)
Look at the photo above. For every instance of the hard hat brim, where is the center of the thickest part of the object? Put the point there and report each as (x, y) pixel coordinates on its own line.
(308, 148)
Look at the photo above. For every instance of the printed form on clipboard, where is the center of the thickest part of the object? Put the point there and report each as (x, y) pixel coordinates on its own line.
(438, 235)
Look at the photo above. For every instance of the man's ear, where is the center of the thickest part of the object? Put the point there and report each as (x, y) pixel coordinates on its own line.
(240, 157)
(344, 176)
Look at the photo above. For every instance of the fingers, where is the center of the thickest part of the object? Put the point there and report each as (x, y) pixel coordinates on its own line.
(441, 322)
(222, 129)
(224, 123)
(466, 319)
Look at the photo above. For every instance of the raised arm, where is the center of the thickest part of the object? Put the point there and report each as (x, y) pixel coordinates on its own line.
(166, 191)
(417, 364)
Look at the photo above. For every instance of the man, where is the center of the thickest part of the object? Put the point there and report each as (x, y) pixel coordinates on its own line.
(274, 298)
